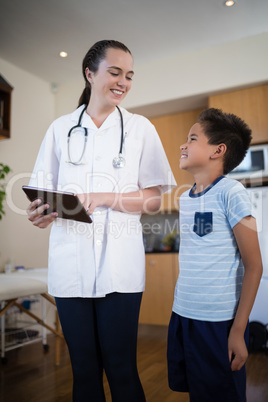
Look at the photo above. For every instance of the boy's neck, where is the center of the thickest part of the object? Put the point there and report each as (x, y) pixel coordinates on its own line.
(203, 181)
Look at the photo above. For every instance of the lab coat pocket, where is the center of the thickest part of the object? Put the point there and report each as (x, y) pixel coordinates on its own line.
(203, 223)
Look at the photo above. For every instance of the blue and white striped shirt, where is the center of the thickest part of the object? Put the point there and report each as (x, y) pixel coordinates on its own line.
(211, 269)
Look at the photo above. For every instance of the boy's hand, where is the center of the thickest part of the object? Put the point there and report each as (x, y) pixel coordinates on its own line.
(246, 237)
(237, 350)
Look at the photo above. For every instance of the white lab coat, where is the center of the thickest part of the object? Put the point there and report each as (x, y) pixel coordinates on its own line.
(92, 260)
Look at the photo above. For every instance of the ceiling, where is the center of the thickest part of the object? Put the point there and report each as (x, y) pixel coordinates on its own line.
(33, 32)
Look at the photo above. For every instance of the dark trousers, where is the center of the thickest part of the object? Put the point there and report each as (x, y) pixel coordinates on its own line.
(198, 361)
(101, 334)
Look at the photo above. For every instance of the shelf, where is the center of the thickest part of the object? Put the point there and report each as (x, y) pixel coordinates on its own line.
(257, 182)
(4, 134)
(15, 336)
(5, 108)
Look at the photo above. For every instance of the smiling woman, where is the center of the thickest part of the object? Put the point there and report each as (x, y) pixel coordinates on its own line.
(97, 276)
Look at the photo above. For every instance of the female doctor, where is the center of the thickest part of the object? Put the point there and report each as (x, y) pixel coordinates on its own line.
(116, 164)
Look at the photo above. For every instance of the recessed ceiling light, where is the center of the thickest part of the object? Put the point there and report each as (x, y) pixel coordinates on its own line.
(229, 3)
(63, 54)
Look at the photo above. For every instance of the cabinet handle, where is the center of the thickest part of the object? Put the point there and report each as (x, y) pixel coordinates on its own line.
(152, 262)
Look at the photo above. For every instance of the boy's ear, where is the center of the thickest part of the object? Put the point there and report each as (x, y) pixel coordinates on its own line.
(219, 152)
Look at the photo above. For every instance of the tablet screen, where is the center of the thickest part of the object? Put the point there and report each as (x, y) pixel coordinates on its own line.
(67, 205)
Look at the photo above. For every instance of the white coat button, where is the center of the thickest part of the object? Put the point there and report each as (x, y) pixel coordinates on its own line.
(98, 242)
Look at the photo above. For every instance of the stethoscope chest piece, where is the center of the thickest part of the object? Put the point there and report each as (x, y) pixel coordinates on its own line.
(119, 161)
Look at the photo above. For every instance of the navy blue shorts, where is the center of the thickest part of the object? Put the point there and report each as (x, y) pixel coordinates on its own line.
(198, 361)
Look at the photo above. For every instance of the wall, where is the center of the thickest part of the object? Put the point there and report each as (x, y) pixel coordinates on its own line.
(216, 68)
(204, 72)
(33, 109)
(67, 96)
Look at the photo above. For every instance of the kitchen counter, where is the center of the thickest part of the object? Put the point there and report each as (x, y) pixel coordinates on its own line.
(162, 252)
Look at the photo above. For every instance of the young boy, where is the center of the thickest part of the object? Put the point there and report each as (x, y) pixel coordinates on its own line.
(220, 266)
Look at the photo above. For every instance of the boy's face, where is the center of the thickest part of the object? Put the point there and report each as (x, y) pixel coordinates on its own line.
(196, 152)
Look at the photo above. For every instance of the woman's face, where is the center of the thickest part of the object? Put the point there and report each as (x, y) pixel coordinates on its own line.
(112, 81)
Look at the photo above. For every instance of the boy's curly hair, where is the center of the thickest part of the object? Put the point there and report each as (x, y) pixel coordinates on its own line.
(228, 129)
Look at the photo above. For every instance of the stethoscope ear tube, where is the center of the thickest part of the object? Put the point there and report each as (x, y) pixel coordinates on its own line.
(78, 124)
(118, 161)
(122, 131)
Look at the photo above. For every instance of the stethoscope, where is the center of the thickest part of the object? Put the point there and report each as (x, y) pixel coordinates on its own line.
(118, 161)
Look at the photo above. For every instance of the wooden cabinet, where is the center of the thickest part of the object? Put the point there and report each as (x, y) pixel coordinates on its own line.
(5, 108)
(161, 277)
(173, 130)
(251, 105)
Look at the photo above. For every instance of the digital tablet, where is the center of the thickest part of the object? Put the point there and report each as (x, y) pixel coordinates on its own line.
(67, 205)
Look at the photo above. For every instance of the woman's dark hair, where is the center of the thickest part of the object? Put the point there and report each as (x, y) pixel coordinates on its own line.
(92, 60)
(228, 129)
